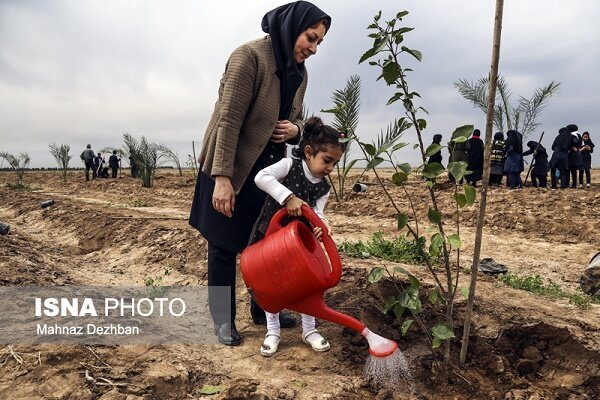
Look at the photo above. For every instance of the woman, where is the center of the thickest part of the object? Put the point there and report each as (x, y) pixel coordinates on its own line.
(559, 163)
(475, 158)
(513, 166)
(497, 159)
(259, 110)
(539, 171)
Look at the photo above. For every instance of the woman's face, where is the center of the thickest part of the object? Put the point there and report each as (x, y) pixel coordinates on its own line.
(586, 136)
(307, 42)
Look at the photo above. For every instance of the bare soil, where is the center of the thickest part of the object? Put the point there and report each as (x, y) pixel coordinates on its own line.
(114, 232)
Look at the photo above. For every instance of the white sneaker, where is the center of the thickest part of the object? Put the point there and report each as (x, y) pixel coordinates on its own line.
(587, 186)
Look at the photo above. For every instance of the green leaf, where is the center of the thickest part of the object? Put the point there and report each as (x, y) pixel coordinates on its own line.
(470, 194)
(455, 241)
(398, 146)
(368, 54)
(433, 296)
(349, 167)
(402, 14)
(433, 170)
(442, 331)
(374, 162)
(398, 311)
(429, 184)
(421, 123)
(461, 200)
(389, 304)
(209, 389)
(375, 275)
(377, 16)
(405, 326)
(415, 53)
(416, 146)
(394, 98)
(391, 72)
(457, 169)
(435, 343)
(463, 131)
(405, 167)
(399, 178)
(432, 149)
(414, 281)
(344, 140)
(460, 139)
(401, 270)
(435, 216)
(437, 240)
(369, 148)
(464, 291)
(402, 220)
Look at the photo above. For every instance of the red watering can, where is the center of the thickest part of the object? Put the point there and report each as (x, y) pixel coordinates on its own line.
(289, 269)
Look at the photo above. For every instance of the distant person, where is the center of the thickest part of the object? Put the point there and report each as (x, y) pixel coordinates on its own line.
(539, 171)
(113, 162)
(475, 158)
(458, 152)
(575, 159)
(497, 159)
(292, 183)
(134, 168)
(559, 163)
(436, 157)
(98, 163)
(513, 165)
(87, 156)
(103, 172)
(586, 154)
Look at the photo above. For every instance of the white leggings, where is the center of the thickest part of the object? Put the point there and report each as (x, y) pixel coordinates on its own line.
(308, 323)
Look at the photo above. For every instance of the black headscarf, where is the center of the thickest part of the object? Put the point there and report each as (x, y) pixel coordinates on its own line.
(514, 138)
(284, 24)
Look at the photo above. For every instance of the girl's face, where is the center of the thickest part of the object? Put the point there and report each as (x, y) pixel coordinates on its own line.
(307, 42)
(586, 137)
(322, 163)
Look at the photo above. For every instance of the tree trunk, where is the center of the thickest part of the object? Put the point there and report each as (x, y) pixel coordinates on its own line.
(486, 176)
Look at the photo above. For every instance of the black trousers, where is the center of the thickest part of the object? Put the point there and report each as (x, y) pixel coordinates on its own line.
(88, 166)
(573, 177)
(513, 179)
(588, 177)
(114, 172)
(539, 180)
(495, 179)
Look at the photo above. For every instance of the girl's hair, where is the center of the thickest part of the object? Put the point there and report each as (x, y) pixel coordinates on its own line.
(498, 136)
(586, 133)
(318, 136)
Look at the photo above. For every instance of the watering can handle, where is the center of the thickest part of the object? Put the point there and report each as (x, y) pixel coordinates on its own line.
(330, 247)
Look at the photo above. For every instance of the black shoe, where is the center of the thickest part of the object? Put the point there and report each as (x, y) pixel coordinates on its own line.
(286, 319)
(228, 334)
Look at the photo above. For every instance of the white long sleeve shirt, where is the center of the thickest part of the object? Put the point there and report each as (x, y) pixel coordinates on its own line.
(269, 180)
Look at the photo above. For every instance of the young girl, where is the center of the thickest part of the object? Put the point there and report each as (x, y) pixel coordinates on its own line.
(291, 183)
(586, 154)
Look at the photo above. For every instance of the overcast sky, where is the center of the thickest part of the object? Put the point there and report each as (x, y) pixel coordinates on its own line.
(87, 71)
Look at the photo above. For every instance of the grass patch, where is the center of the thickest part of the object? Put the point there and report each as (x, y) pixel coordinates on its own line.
(535, 284)
(20, 186)
(399, 249)
(138, 203)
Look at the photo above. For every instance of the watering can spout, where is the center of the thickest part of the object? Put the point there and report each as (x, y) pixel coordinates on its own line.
(315, 306)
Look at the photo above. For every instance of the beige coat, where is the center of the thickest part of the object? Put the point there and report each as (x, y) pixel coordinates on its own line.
(245, 113)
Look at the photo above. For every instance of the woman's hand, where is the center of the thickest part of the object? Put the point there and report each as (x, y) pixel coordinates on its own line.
(223, 199)
(294, 206)
(284, 130)
(318, 232)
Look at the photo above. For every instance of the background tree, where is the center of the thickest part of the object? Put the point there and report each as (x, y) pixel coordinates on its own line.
(62, 157)
(346, 108)
(146, 156)
(521, 117)
(170, 155)
(17, 163)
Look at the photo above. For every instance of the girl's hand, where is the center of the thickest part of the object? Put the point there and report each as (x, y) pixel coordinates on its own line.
(284, 130)
(318, 232)
(223, 199)
(327, 225)
(294, 206)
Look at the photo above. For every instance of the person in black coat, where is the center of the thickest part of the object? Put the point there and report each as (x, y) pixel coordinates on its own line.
(475, 158)
(436, 157)
(113, 162)
(513, 165)
(575, 159)
(586, 154)
(559, 163)
(497, 159)
(98, 164)
(539, 172)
